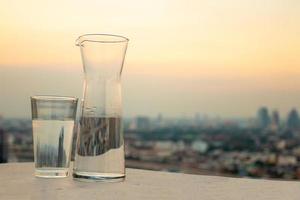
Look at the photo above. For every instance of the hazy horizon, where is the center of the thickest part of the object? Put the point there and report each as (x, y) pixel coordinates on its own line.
(179, 101)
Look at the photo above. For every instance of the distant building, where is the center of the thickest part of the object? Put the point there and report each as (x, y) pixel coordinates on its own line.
(263, 118)
(275, 124)
(197, 119)
(143, 123)
(159, 117)
(3, 147)
(200, 146)
(276, 118)
(159, 121)
(61, 152)
(293, 121)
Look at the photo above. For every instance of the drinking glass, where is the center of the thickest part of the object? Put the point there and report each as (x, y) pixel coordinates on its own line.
(52, 127)
(99, 154)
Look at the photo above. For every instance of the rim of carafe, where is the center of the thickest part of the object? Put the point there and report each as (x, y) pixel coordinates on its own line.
(119, 38)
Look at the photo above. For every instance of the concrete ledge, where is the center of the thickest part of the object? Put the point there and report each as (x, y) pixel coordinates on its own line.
(17, 182)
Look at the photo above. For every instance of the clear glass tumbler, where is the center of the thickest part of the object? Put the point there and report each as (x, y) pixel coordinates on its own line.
(99, 152)
(52, 127)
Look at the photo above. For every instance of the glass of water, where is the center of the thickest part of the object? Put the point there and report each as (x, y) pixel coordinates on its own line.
(52, 127)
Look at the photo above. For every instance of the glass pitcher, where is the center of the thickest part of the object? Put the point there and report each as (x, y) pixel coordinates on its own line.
(99, 152)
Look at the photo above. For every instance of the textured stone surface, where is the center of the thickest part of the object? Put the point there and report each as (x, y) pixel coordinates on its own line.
(17, 182)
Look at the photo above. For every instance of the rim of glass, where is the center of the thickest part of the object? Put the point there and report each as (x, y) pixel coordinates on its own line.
(89, 38)
(54, 98)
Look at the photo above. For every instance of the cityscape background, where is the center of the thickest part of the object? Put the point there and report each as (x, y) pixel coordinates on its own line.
(209, 87)
(265, 146)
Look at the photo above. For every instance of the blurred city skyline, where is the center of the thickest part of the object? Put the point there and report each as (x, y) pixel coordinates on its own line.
(266, 146)
(221, 58)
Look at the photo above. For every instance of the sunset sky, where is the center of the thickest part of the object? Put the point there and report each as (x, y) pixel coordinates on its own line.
(215, 57)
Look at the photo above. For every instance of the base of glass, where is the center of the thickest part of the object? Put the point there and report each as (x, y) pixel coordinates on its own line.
(51, 173)
(98, 177)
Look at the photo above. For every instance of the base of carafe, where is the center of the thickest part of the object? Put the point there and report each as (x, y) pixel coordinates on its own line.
(98, 177)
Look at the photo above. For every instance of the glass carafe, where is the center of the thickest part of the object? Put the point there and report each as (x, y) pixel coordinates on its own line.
(100, 145)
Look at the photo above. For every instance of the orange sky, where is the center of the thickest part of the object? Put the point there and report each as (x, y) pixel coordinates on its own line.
(245, 44)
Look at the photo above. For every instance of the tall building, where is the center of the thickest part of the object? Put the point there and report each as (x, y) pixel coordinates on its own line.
(293, 121)
(159, 120)
(3, 147)
(263, 118)
(197, 118)
(143, 123)
(61, 152)
(275, 120)
(159, 117)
